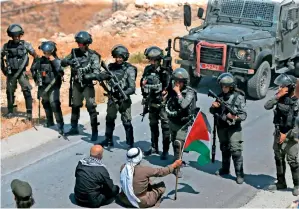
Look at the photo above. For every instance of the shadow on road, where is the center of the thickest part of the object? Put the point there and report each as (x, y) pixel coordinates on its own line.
(259, 181)
(155, 160)
(186, 188)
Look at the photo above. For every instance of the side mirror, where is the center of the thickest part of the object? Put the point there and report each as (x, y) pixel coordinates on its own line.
(187, 15)
(200, 13)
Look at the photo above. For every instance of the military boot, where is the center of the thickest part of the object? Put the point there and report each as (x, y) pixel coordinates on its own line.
(60, 128)
(10, 113)
(238, 163)
(281, 184)
(153, 149)
(129, 134)
(108, 142)
(29, 115)
(225, 169)
(295, 176)
(166, 142)
(280, 172)
(177, 148)
(74, 130)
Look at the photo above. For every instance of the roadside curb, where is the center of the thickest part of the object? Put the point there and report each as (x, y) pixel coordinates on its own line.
(29, 139)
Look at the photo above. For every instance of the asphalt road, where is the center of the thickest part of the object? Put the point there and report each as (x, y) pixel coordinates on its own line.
(50, 168)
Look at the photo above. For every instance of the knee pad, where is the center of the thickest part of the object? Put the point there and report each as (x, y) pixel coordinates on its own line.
(127, 123)
(56, 106)
(236, 154)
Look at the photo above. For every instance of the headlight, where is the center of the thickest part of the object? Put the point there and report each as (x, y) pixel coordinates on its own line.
(244, 54)
(187, 45)
(191, 47)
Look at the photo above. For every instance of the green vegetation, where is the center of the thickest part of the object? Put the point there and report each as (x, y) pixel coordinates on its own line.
(137, 58)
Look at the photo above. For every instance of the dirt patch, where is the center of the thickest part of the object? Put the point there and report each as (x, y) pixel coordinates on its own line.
(135, 28)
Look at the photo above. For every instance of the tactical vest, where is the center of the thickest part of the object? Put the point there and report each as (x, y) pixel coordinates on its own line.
(153, 86)
(231, 101)
(46, 70)
(16, 54)
(120, 71)
(286, 112)
(176, 113)
(83, 61)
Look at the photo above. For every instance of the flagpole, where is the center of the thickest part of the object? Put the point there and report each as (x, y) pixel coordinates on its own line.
(181, 157)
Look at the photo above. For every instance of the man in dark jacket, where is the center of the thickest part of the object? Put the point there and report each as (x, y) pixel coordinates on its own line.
(94, 187)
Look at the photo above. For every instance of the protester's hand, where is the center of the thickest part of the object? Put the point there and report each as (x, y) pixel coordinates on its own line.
(177, 163)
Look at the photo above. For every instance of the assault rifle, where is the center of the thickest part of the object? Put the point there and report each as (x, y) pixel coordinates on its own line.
(145, 103)
(113, 82)
(71, 90)
(78, 68)
(167, 62)
(222, 102)
(214, 139)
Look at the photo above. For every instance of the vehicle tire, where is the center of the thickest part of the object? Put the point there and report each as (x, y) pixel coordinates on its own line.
(258, 84)
(296, 64)
(194, 81)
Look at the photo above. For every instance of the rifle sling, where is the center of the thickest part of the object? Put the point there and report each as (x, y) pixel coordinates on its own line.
(20, 68)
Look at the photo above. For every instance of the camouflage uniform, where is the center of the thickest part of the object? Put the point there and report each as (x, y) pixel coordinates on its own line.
(89, 62)
(285, 114)
(181, 110)
(16, 54)
(44, 73)
(230, 131)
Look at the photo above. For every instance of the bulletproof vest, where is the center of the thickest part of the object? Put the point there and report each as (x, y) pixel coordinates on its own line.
(286, 112)
(46, 69)
(84, 61)
(120, 71)
(16, 54)
(153, 85)
(174, 110)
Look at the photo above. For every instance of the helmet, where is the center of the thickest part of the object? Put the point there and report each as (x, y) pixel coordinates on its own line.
(83, 37)
(180, 74)
(14, 30)
(285, 80)
(120, 50)
(153, 53)
(48, 46)
(226, 79)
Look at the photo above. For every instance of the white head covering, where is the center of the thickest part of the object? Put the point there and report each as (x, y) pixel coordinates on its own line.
(134, 157)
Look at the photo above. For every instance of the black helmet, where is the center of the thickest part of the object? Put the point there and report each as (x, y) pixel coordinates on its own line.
(83, 37)
(180, 74)
(153, 53)
(14, 30)
(48, 46)
(226, 79)
(120, 50)
(285, 80)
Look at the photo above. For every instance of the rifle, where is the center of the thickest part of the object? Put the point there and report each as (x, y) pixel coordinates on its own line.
(277, 133)
(214, 139)
(167, 62)
(145, 107)
(38, 97)
(78, 68)
(113, 83)
(222, 102)
(71, 90)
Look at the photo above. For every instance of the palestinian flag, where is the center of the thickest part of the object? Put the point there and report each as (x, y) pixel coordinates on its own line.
(199, 139)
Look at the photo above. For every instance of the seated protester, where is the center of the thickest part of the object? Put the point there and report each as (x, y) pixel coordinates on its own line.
(137, 191)
(23, 193)
(94, 187)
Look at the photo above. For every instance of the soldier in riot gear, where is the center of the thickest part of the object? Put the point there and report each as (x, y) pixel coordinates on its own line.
(47, 74)
(83, 62)
(181, 110)
(285, 136)
(154, 83)
(126, 75)
(16, 53)
(229, 126)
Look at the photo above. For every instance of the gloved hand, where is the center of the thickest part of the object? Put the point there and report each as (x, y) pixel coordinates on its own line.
(103, 76)
(177, 163)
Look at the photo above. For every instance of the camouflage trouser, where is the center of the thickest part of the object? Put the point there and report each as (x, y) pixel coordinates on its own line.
(178, 135)
(231, 145)
(156, 114)
(289, 150)
(51, 104)
(79, 93)
(26, 88)
(125, 111)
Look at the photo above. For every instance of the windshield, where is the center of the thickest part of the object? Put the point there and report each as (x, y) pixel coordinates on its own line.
(258, 13)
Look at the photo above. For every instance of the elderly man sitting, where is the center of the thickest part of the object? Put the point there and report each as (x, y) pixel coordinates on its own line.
(94, 187)
(135, 183)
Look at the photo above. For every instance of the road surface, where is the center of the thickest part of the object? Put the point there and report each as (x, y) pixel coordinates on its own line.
(50, 168)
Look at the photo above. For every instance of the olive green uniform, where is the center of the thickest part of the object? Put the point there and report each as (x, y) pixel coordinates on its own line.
(16, 54)
(87, 62)
(126, 74)
(230, 132)
(285, 114)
